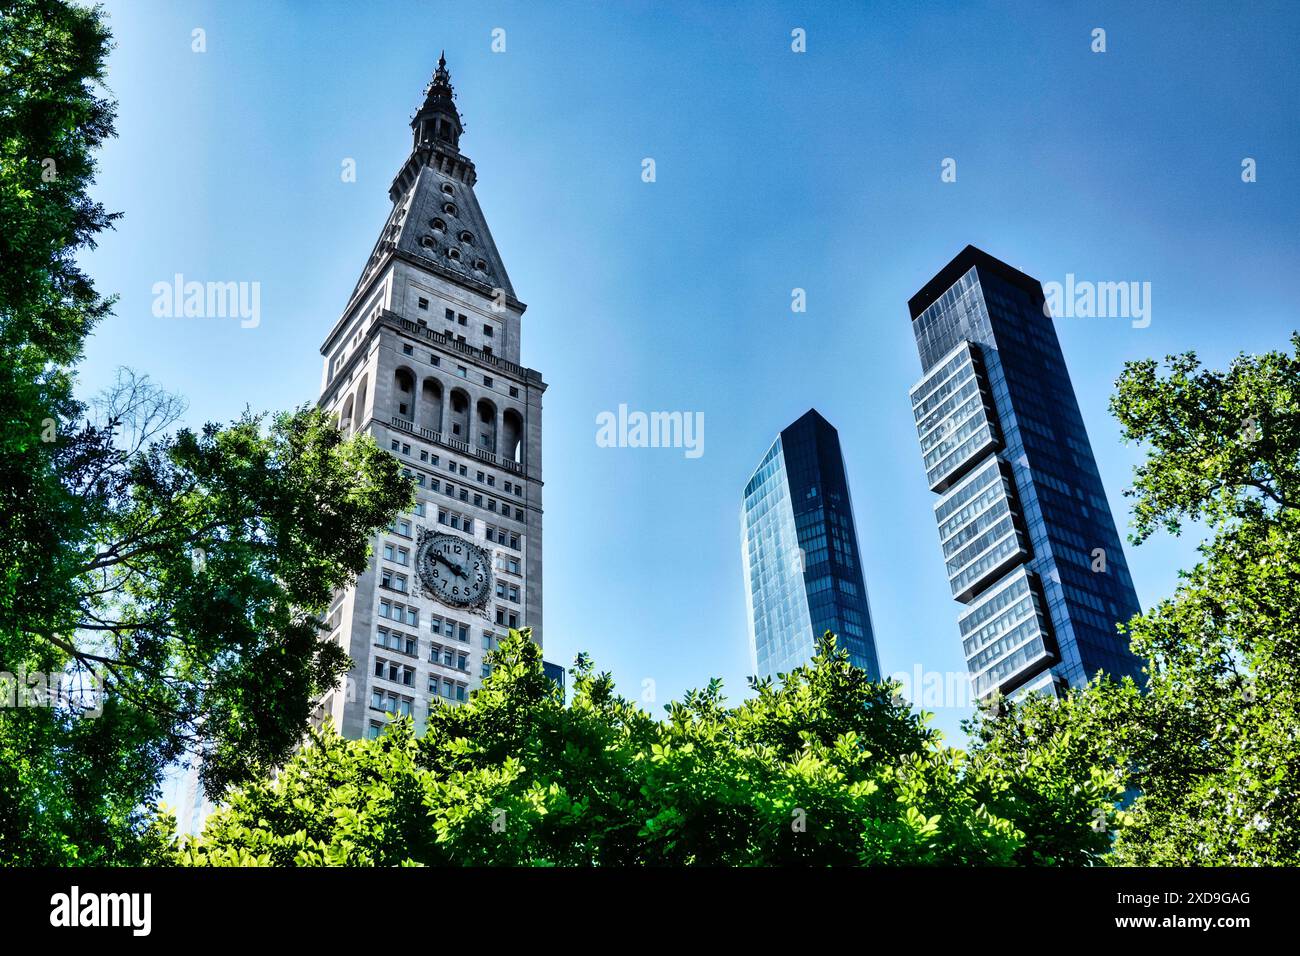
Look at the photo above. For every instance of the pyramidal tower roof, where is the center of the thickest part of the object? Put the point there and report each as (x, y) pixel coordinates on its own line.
(436, 221)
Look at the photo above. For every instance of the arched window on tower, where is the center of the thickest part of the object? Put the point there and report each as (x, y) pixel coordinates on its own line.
(345, 417)
(459, 415)
(487, 425)
(512, 436)
(431, 404)
(404, 386)
(359, 410)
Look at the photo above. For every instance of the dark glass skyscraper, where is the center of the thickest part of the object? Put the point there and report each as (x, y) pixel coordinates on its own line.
(799, 548)
(1027, 535)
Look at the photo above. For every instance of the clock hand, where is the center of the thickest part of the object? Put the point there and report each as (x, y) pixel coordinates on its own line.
(456, 568)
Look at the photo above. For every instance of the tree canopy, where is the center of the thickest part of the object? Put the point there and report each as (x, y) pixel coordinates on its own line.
(1210, 748)
(826, 768)
(174, 582)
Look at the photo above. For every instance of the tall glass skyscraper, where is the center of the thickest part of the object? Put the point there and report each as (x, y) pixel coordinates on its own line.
(1028, 537)
(799, 548)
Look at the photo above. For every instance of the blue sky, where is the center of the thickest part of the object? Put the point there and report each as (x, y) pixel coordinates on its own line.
(775, 170)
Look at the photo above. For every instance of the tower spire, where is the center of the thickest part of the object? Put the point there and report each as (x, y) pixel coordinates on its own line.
(438, 120)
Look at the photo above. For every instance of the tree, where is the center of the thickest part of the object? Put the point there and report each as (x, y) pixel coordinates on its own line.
(826, 769)
(198, 598)
(203, 591)
(178, 582)
(1212, 747)
(51, 122)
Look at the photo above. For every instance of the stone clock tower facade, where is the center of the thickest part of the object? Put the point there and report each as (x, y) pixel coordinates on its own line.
(426, 359)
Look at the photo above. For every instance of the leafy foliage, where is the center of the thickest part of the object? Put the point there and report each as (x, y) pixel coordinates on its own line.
(1211, 750)
(215, 557)
(827, 769)
(51, 121)
(190, 571)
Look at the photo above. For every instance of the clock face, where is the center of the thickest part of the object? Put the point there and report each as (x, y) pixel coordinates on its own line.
(455, 571)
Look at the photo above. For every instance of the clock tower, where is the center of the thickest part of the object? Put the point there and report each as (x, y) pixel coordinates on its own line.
(425, 357)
